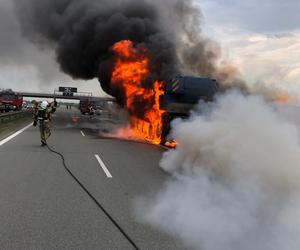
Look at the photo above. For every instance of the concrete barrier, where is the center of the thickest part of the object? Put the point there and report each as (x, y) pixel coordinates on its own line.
(7, 117)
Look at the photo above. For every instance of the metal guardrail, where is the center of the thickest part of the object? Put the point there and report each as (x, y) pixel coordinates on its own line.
(57, 95)
(13, 115)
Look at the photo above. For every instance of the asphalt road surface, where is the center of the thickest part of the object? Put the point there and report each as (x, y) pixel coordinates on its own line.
(42, 207)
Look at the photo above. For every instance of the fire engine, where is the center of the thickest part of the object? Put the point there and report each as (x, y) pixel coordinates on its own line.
(9, 100)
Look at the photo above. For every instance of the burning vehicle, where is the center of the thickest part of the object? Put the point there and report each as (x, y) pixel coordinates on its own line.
(152, 106)
(181, 94)
(133, 48)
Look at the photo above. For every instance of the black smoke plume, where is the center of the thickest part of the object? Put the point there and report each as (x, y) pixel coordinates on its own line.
(83, 33)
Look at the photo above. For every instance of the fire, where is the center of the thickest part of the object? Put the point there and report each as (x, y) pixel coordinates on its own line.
(171, 144)
(130, 70)
(282, 97)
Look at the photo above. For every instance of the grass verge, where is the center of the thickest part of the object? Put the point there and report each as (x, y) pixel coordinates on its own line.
(8, 128)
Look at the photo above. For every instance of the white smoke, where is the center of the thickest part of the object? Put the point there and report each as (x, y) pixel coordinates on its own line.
(236, 179)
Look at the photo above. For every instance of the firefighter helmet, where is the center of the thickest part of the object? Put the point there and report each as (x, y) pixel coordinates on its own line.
(44, 104)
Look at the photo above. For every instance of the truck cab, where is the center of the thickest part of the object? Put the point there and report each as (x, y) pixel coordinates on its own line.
(9, 100)
(182, 93)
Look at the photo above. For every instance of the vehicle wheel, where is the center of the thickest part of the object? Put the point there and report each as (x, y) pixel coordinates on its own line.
(166, 120)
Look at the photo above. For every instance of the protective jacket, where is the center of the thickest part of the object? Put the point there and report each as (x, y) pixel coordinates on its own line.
(44, 114)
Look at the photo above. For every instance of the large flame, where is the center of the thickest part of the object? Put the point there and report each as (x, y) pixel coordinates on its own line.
(130, 70)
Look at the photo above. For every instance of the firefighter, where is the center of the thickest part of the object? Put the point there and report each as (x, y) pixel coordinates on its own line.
(35, 109)
(43, 117)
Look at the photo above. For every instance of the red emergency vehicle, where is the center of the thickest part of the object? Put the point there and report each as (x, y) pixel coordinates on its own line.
(9, 100)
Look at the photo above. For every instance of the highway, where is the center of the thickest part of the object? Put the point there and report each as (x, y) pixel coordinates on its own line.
(42, 207)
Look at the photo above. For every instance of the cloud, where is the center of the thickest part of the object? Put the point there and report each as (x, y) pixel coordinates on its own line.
(12, 46)
(260, 37)
(264, 58)
(253, 15)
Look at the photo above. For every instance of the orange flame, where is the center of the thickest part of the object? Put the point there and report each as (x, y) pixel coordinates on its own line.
(282, 97)
(171, 144)
(130, 70)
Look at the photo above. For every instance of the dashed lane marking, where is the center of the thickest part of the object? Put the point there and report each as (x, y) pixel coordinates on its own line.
(82, 133)
(108, 174)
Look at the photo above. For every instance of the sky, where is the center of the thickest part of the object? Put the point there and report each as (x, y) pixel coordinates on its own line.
(261, 38)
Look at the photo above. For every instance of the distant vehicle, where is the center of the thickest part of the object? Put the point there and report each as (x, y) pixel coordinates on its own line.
(181, 94)
(84, 106)
(91, 106)
(9, 100)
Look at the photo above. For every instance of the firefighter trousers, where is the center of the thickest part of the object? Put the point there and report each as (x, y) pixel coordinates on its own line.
(45, 131)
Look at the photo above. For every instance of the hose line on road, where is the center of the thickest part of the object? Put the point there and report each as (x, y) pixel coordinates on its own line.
(94, 199)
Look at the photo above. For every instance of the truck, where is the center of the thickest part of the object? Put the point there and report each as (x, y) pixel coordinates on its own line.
(84, 105)
(91, 105)
(181, 95)
(9, 100)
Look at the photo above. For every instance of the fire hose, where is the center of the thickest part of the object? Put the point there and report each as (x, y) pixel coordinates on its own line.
(108, 215)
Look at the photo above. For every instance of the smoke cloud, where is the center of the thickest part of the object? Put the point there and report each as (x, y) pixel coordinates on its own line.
(235, 182)
(20, 65)
(82, 34)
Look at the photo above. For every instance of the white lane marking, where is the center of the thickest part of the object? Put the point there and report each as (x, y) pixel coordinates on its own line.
(108, 174)
(82, 133)
(14, 135)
